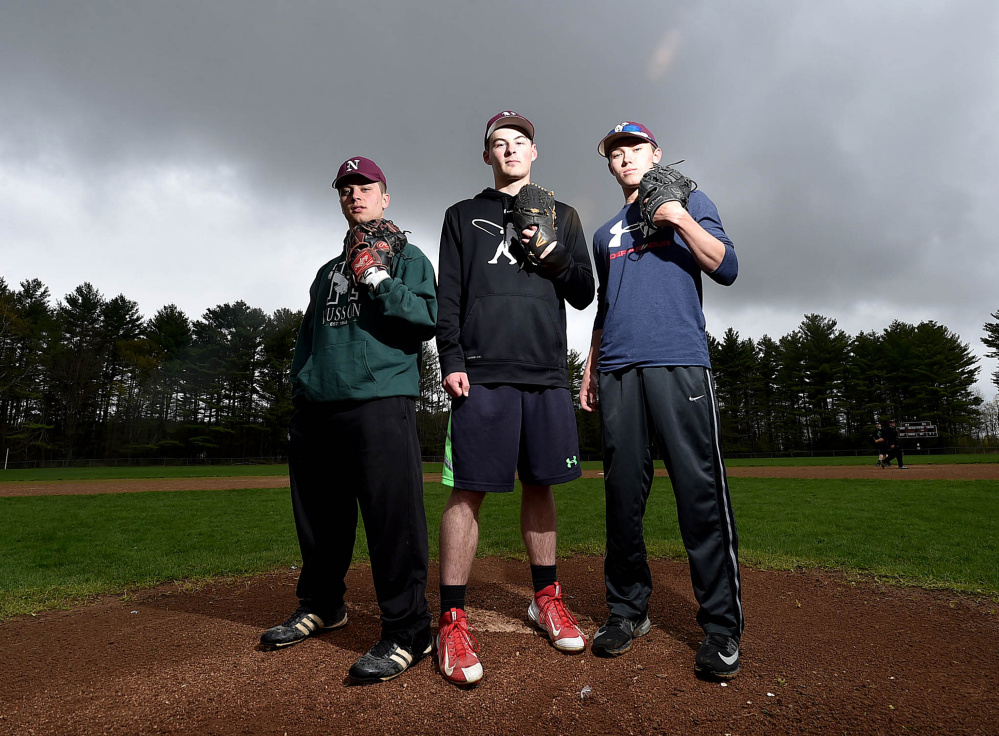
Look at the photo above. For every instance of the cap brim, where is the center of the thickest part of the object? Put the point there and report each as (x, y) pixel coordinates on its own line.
(607, 143)
(510, 122)
(336, 182)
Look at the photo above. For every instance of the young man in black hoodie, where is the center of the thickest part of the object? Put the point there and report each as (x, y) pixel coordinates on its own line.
(501, 338)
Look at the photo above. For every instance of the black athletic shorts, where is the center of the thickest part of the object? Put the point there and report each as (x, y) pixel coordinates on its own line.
(498, 430)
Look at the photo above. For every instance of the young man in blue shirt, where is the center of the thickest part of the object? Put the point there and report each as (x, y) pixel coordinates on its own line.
(648, 365)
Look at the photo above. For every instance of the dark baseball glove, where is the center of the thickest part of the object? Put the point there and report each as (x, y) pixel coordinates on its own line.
(535, 205)
(372, 247)
(662, 184)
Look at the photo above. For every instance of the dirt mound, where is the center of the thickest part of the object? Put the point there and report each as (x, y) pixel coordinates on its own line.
(821, 655)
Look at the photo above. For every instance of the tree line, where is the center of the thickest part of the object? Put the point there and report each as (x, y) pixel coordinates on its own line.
(89, 377)
(821, 389)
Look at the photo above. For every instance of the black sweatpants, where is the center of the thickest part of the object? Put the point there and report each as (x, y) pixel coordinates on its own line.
(347, 455)
(677, 406)
(895, 453)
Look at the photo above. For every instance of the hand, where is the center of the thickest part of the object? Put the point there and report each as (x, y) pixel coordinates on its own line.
(456, 384)
(527, 233)
(374, 276)
(366, 265)
(589, 399)
(668, 214)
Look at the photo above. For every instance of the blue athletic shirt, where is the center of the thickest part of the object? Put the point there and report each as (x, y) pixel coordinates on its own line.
(649, 294)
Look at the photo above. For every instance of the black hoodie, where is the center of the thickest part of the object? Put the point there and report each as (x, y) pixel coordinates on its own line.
(500, 320)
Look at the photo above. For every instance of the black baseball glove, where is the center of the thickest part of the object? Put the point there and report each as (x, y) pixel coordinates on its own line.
(371, 248)
(662, 184)
(535, 205)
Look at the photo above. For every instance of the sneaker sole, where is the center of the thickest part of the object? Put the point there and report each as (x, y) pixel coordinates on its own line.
(567, 648)
(643, 628)
(463, 683)
(710, 674)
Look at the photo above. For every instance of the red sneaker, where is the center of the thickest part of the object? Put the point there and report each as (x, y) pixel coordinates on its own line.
(456, 649)
(548, 612)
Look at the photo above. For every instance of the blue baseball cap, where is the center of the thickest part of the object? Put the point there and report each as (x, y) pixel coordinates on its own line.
(627, 129)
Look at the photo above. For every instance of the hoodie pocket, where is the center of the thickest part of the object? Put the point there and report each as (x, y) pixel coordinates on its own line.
(513, 328)
(336, 372)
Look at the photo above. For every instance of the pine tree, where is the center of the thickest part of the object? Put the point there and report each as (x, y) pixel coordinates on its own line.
(991, 340)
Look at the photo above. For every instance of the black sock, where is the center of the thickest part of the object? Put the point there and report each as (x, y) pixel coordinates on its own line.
(452, 596)
(542, 576)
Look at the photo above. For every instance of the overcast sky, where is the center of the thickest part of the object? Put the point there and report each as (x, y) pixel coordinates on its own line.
(183, 152)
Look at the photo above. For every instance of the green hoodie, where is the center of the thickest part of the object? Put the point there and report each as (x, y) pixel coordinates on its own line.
(356, 345)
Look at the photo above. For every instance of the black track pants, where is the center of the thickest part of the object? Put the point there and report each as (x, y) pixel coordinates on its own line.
(677, 406)
(895, 454)
(363, 455)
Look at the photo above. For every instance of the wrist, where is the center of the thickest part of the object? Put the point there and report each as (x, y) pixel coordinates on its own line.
(672, 213)
(374, 276)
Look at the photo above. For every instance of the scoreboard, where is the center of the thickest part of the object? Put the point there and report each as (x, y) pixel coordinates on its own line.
(916, 429)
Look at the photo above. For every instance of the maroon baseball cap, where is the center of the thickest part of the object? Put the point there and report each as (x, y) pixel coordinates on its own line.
(627, 129)
(508, 119)
(359, 166)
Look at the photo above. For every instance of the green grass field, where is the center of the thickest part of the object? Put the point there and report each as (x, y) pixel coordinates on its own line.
(227, 471)
(48, 475)
(910, 458)
(58, 550)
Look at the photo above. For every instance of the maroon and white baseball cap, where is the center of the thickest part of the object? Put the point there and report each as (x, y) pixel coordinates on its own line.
(627, 129)
(508, 119)
(359, 166)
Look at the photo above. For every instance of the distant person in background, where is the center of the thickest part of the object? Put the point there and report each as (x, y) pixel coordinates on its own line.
(894, 446)
(878, 437)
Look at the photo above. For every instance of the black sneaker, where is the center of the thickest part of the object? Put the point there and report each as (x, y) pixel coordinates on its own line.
(616, 635)
(387, 659)
(300, 626)
(879, 463)
(718, 657)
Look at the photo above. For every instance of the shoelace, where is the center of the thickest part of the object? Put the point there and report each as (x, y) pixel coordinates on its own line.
(382, 649)
(618, 622)
(296, 617)
(462, 638)
(561, 612)
(724, 643)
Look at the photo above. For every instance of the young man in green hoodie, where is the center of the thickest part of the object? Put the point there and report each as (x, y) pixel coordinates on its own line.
(355, 378)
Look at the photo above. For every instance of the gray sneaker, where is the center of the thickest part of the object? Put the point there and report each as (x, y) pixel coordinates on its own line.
(616, 635)
(300, 626)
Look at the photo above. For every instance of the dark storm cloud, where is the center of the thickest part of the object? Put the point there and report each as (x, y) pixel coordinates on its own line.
(849, 146)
